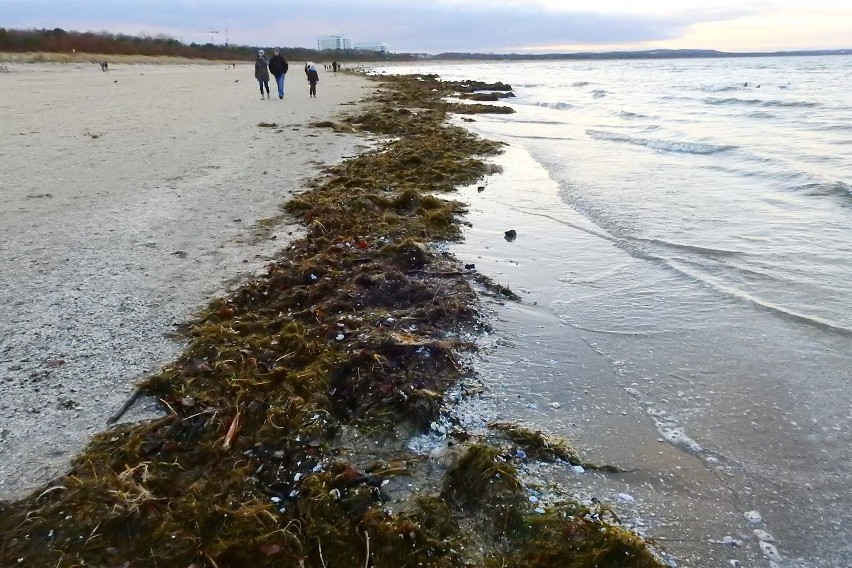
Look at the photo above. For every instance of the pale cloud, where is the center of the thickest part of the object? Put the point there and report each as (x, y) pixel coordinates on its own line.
(775, 31)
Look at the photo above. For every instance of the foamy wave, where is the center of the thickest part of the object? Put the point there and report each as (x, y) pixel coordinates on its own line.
(536, 137)
(758, 102)
(703, 251)
(840, 188)
(759, 114)
(599, 93)
(631, 115)
(664, 145)
(558, 105)
(775, 309)
(833, 127)
(668, 427)
(718, 88)
(540, 122)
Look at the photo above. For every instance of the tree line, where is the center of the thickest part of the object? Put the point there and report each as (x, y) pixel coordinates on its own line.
(58, 40)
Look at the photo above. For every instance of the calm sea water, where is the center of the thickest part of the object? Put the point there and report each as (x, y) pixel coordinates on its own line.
(734, 172)
(686, 226)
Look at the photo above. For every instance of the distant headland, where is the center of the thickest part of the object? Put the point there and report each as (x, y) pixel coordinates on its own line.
(643, 54)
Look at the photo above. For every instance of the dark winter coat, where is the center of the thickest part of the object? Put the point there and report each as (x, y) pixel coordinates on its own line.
(261, 73)
(313, 76)
(278, 65)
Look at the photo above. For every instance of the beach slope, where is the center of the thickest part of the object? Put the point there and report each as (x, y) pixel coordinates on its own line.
(129, 199)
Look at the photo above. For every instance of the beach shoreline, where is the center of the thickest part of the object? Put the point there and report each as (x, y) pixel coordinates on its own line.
(543, 373)
(322, 369)
(131, 198)
(662, 488)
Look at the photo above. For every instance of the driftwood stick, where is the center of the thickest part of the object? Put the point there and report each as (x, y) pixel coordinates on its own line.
(367, 560)
(125, 407)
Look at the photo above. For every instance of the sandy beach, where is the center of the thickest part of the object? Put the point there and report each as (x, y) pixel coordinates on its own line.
(131, 198)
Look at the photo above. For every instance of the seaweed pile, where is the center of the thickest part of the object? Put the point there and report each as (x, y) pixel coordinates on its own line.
(284, 443)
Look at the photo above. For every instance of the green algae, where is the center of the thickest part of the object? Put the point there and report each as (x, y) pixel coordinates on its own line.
(354, 328)
(571, 538)
(480, 476)
(536, 444)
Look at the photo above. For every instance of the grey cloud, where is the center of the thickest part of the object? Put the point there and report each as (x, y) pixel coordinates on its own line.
(406, 26)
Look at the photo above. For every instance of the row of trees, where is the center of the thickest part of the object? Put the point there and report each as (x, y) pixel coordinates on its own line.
(58, 40)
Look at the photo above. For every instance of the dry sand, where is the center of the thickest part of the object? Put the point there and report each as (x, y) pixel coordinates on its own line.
(129, 199)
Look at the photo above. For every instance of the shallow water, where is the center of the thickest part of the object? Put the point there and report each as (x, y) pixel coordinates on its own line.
(682, 250)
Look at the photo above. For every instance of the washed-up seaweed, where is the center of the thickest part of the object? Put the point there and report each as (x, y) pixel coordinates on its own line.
(287, 416)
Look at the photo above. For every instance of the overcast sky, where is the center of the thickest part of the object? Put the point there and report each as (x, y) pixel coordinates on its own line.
(434, 26)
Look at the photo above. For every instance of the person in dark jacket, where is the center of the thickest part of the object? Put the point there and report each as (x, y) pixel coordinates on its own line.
(278, 67)
(261, 73)
(313, 78)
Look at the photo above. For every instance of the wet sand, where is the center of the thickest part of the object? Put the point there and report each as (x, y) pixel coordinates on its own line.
(699, 503)
(129, 199)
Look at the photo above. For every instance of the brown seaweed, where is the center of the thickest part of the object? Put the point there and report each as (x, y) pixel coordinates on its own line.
(292, 382)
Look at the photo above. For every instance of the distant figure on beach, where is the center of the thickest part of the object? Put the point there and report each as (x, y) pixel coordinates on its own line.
(261, 73)
(104, 66)
(278, 67)
(313, 78)
(335, 66)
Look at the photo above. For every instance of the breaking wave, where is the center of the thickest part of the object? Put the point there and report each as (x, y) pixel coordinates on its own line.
(631, 115)
(719, 88)
(558, 106)
(664, 145)
(758, 102)
(839, 188)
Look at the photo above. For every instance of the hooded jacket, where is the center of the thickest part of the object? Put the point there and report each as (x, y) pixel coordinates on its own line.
(313, 76)
(261, 73)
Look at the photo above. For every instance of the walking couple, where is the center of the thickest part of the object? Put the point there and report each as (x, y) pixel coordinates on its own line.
(276, 65)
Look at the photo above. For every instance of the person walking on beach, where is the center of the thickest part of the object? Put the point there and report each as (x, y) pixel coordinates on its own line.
(261, 73)
(313, 78)
(278, 67)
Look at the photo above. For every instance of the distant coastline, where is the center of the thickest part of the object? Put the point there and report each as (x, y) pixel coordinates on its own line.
(61, 42)
(645, 54)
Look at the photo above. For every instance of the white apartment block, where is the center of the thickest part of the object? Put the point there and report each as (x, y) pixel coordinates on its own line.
(334, 43)
(373, 46)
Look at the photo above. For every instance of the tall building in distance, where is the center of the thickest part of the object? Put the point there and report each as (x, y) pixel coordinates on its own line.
(343, 43)
(334, 43)
(372, 46)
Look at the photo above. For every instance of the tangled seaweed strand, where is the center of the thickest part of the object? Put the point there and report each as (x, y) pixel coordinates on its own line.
(287, 413)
